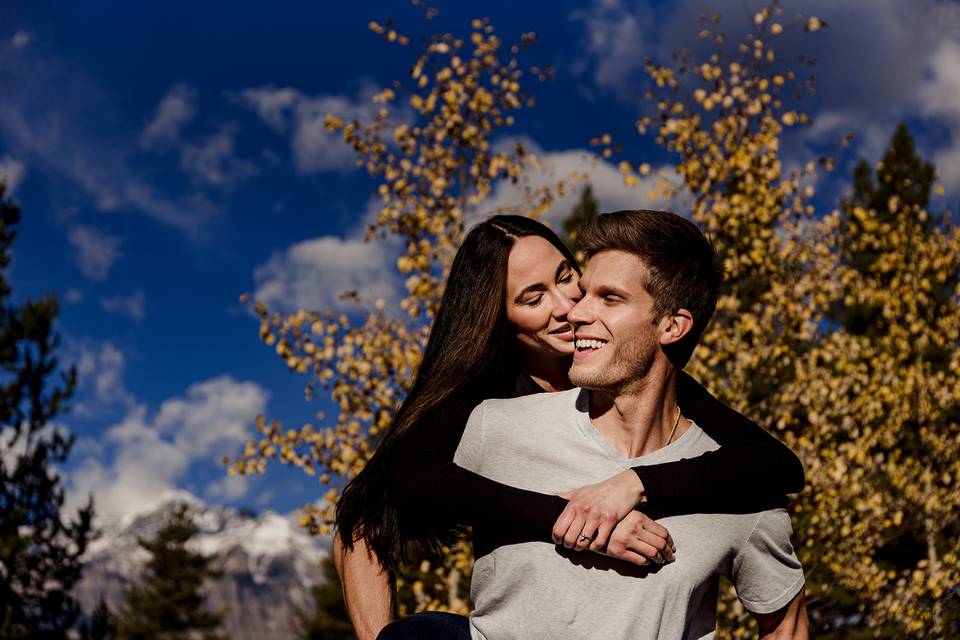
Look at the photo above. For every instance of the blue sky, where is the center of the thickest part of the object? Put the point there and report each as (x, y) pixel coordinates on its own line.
(169, 157)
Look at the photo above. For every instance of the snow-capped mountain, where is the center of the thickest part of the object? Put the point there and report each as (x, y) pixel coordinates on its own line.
(268, 564)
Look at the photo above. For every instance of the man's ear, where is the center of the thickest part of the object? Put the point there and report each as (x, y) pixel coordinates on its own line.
(674, 327)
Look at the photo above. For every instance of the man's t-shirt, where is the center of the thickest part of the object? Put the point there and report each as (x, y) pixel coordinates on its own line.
(547, 443)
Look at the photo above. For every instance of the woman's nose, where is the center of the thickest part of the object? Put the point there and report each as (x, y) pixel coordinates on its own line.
(563, 305)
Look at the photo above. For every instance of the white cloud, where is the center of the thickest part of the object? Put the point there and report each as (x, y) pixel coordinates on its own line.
(73, 296)
(214, 162)
(95, 251)
(132, 306)
(100, 377)
(176, 109)
(227, 488)
(211, 161)
(312, 274)
(314, 149)
(879, 62)
(273, 105)
(20, 39)
(940, 98)
(11, 173)
(605, 179)
(153, 455)
(616, 43)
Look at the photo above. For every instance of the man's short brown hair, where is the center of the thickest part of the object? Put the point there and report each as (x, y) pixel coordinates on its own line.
(684, 269)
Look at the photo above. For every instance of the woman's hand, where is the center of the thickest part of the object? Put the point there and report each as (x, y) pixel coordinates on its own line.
(639, 540)
(594, 510)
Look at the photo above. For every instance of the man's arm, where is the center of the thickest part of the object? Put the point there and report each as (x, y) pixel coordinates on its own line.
(788, 623)
(367, 588)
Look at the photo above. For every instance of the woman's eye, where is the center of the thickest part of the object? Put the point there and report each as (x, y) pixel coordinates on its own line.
(532, 302)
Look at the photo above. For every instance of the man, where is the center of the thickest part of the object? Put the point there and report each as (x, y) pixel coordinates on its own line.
(650, 288)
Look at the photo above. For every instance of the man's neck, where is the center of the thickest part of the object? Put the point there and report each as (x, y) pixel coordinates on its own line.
(550, 374)
(640, 418)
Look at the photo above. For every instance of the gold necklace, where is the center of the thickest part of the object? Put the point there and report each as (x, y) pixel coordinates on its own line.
(675, 423)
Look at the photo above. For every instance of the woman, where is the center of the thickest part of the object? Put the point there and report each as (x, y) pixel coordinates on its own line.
(501, 331)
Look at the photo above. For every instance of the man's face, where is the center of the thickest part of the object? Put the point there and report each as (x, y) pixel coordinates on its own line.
(617, 338)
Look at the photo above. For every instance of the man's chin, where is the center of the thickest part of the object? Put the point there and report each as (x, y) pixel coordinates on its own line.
(587, 378)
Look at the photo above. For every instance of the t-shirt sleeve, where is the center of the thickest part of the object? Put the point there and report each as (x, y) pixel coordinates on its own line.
(469, 453)
(766, 570)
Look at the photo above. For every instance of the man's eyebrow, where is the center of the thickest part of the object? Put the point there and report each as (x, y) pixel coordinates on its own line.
(539, 286)
(608, 290)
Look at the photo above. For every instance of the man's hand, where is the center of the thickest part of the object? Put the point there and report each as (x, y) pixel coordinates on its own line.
(639, 540)
(594, 510)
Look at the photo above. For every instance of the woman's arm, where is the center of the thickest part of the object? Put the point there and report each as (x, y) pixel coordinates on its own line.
(367, 588)
(433, 495)
(751, 470)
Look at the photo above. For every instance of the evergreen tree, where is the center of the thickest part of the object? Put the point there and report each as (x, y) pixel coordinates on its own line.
(897, 194)
(167, 604)
(329, 619)
(583, 212)
(101, 625)
(40, 549)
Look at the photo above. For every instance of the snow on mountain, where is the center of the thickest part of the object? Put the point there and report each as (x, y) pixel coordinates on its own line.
(268, 563)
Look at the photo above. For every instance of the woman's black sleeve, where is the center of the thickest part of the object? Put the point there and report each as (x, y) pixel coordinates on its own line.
(750, 471)
(432, 494)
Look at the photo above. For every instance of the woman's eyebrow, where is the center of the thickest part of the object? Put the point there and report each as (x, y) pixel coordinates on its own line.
(539, 286)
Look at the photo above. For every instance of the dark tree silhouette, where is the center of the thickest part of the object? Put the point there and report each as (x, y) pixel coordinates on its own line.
(329, 619)
(40, 548)
(166, 603)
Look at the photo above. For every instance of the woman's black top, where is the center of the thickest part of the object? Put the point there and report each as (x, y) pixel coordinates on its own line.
(751, 471)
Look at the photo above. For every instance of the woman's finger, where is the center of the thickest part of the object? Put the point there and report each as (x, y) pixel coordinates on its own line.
(588, 532)
(562, 524)
(573, 532)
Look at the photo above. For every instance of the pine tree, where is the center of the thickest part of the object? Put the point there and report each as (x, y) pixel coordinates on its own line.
(101, 624)
(329, 619)
(167, 604)
(40, 549)
(898, 193)
(583, 212)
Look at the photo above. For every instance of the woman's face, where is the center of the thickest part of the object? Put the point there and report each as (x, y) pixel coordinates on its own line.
(542, 286)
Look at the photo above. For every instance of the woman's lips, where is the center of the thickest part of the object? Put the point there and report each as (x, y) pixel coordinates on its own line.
(564, 334)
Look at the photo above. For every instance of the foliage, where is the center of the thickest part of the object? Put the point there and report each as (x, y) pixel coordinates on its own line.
(432, 173)
(40, 548)
(101, 625)
(889, 450)
(167, 603)
(583, 212)
(328, 620)
(838, 331)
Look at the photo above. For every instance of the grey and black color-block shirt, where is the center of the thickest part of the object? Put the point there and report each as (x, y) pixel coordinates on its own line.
(532, 590)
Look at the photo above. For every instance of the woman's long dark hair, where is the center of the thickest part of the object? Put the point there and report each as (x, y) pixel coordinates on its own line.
(469, 357)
